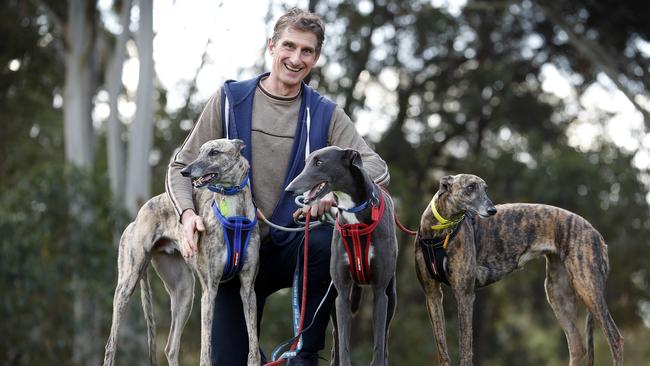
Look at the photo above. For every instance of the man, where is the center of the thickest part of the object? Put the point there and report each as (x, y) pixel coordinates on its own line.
(280, 119)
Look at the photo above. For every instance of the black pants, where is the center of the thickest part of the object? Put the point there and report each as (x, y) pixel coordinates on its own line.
(276, 271)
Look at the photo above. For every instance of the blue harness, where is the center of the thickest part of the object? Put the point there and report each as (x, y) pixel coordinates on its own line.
(236, 232)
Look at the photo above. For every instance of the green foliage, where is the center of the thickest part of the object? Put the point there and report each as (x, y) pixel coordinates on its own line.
(42, 248)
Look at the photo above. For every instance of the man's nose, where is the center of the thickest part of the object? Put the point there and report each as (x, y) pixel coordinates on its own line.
(295, 57)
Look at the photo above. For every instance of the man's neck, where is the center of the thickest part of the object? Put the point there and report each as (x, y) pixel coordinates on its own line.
(278, 90)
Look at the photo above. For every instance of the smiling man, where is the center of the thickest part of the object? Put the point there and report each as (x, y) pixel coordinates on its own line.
(281, 120)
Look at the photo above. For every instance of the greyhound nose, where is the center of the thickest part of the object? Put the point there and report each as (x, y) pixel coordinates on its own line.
(186, 172)
(492, 211)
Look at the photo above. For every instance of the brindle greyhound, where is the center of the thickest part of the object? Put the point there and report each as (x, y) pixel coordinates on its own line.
(485, 250)
(155, 236)
(332, 169)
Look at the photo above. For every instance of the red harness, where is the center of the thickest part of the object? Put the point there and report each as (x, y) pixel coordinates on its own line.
(358, 251)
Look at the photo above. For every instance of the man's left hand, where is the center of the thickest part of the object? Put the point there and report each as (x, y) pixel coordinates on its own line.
(324, 205)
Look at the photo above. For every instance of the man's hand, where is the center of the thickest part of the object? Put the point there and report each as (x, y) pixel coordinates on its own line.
(324, 205)
(191, 223)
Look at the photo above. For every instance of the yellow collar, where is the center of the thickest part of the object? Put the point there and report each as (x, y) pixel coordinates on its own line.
(444, 223)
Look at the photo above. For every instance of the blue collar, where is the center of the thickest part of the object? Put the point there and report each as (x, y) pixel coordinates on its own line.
(363, 206)
(229, 191)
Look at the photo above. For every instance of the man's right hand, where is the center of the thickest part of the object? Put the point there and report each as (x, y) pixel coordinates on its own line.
(191, 223)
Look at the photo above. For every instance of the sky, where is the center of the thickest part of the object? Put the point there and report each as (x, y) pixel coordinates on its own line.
(186, 29)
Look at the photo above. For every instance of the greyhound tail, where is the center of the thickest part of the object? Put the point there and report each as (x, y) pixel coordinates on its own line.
(589, 333)
(355, 298)
(147, 307)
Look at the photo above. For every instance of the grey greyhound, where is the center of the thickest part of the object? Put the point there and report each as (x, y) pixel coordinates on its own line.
(340, 171)
(484, 250)
(155, 236)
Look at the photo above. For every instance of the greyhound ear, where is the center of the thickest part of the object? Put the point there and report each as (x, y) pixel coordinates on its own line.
(354, 158)
(239, 144)
(445, 183)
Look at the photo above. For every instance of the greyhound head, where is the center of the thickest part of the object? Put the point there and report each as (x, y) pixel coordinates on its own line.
(331, 169)
(219, 161)
(463, 193)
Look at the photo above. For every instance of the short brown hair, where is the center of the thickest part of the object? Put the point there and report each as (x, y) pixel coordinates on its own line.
(301, 20)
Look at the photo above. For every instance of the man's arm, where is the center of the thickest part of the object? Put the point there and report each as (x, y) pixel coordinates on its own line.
(344, 134)
(207, 127)
(179, 188)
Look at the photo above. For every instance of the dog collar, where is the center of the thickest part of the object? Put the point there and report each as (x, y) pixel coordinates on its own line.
(363, 206)
(444, 223)
(229, 191)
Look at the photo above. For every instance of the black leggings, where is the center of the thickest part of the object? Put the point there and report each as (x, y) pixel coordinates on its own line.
(276, 271)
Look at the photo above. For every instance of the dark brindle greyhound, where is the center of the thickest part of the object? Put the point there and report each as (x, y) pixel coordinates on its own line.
(484, 250)
(332, 169)
(155, 236)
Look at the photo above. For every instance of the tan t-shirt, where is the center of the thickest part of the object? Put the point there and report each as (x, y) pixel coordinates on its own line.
(272, 133)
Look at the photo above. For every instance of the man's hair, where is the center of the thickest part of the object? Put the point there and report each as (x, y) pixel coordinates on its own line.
(300, 20)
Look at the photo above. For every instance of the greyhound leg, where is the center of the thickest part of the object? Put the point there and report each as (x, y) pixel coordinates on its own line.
(465, 298)
(564, 304)
(132, 261)
(592, 295)
(249, 301)
(207, 314)
(434, 296)
(335, 340)
(179, 283)
(344, 318)
(379, 319)
(391, 292)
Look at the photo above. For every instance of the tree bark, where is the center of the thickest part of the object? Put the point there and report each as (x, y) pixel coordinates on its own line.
(115, 146)
(78, 131)
(138, 179)
(79, 142)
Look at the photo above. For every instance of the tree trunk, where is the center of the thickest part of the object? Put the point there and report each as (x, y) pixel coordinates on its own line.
(138, 180)
(79, 142)
(115, 146)
(77, 90)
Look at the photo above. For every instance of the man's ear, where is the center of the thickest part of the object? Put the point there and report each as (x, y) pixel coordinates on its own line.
(239, 144)
(445, 183)
(270, 45)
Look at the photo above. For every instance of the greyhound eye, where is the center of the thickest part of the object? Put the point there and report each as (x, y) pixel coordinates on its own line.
(318, 162)
(213, 152)
(470, 188)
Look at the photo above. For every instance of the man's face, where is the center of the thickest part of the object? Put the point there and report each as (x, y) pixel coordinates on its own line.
(294, 55)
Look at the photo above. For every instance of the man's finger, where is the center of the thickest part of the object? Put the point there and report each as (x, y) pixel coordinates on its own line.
(199, 224)
(184, 247)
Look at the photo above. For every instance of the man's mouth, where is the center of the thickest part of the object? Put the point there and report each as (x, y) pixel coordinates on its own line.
(293, 69)
(203, 181)
(315, 193)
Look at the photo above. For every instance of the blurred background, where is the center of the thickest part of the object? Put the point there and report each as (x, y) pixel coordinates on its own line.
(547, 100)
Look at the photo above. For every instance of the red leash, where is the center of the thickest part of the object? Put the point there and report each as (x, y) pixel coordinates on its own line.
(303, 305)
(397, 222)
(402, 227)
